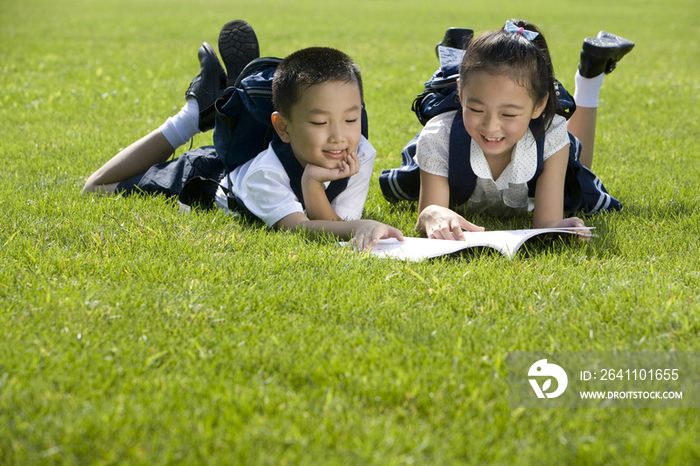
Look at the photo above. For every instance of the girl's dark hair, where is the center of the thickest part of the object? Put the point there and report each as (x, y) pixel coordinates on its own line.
(308, 67)
(527, 62)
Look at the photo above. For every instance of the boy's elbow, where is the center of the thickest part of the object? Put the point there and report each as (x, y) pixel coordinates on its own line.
(291, 222)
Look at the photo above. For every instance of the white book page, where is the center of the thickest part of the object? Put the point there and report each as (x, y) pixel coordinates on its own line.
(506, 242)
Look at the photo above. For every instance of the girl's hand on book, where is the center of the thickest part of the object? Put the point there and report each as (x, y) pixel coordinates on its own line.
(442, 223)
(575, 222)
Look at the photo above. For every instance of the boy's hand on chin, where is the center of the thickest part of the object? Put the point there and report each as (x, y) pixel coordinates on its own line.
(348, 167)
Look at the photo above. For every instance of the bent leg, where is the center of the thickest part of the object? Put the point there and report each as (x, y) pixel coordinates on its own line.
(583, 122)
(150, 150)
(582, 125)
(599, 57)
(177, 130)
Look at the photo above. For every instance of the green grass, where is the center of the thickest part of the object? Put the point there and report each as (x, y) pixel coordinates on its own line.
(132, 334)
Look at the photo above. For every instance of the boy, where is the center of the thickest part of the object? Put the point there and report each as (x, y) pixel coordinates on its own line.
(317, 95)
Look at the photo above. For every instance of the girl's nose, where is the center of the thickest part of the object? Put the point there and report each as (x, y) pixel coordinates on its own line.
(489, 122)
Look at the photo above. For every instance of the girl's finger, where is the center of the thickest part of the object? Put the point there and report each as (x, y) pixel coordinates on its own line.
(457, 231)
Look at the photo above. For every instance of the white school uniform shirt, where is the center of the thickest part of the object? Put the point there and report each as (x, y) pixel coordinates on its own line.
(506, 196)
(264, 187)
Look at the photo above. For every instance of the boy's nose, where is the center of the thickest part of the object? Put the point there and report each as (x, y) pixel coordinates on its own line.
(336, 133)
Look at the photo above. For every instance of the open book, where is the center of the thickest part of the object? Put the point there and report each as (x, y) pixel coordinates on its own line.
(506, 242)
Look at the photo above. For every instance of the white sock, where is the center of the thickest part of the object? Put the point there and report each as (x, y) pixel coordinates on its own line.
(588, 90)
(182, 127)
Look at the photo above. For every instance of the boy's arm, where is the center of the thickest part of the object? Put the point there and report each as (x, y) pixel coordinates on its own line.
(318, 207)
(363, 233)
(312, 185)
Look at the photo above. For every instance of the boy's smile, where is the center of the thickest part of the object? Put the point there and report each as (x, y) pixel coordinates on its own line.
(497, 112)
(325, 124)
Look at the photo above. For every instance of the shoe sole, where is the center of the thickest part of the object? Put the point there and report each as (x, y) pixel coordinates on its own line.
(611, 48)
(238, 46)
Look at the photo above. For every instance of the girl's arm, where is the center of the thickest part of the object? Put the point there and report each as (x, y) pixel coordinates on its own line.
(434, 217)
(549, 194)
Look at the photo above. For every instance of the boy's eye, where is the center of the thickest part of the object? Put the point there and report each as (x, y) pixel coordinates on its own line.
(509, 116)
(351, 121)
(475, 110)
(318, 123)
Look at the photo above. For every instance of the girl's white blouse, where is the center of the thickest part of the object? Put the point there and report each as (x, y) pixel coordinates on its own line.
(508, 195)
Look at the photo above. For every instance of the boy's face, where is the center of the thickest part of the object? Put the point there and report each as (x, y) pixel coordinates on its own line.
(324, 125)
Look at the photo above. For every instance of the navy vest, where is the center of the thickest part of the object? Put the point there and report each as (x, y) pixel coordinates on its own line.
(462, 178)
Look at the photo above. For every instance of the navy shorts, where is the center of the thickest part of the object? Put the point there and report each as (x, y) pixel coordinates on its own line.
(193, 175)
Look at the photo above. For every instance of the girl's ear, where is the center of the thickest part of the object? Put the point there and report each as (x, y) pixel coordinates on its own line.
(279, 122)
(539, 108)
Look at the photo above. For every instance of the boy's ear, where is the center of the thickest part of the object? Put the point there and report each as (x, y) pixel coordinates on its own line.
(539, 108)
(279, 122)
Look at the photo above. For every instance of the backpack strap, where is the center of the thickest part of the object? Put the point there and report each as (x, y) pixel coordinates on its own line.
(536, 128)
(566, 106)
(462, 179)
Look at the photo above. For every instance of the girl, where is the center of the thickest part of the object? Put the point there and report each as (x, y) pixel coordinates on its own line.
(507, 142)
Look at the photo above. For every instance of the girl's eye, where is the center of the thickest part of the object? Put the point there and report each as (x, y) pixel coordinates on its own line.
(475, 110)
(351, 121)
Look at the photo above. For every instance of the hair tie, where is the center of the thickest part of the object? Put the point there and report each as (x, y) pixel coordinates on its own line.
(529, 35)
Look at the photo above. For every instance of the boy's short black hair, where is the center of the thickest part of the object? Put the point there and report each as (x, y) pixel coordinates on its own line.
(308, 67)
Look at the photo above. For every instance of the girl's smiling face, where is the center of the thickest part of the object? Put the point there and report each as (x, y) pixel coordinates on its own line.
(497, 111)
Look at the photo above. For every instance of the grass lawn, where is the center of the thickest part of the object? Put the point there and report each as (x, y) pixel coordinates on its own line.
(133, 334)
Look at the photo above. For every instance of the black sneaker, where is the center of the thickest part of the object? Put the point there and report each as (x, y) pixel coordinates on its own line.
(457, 38)
(601, 54)
(238, 46)
(207, 86)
